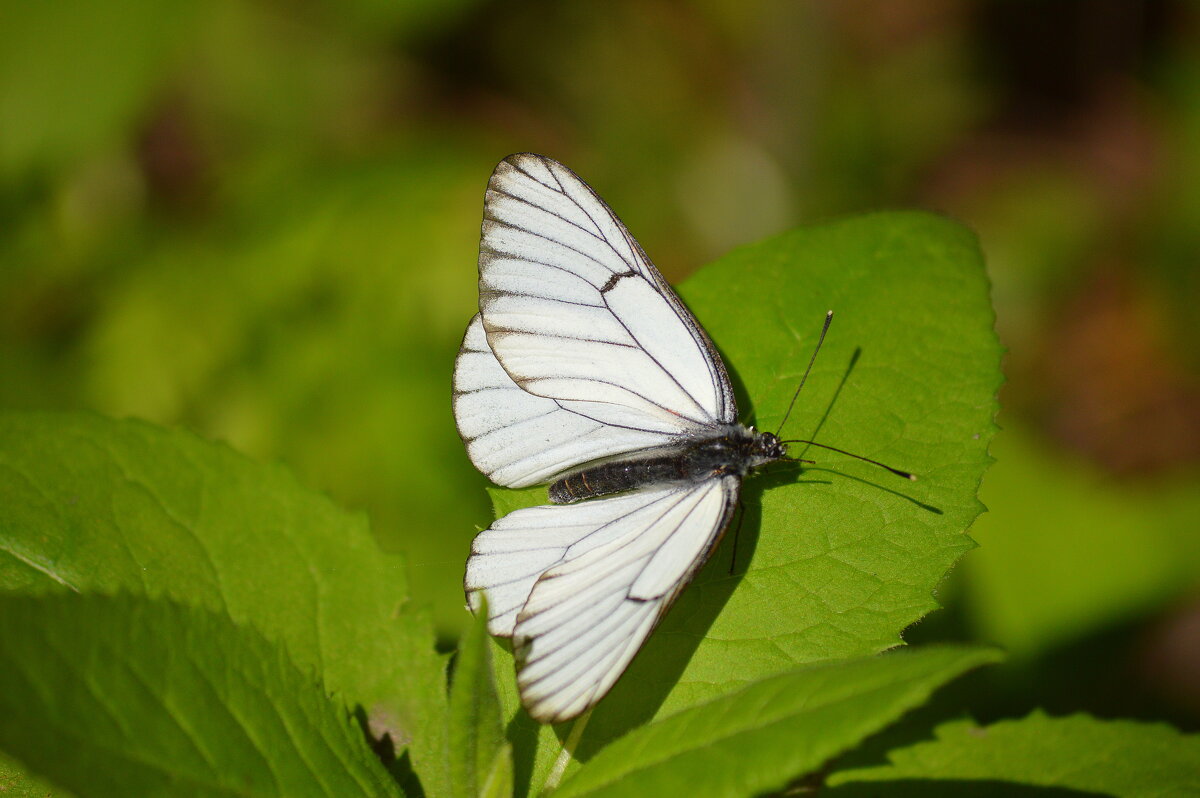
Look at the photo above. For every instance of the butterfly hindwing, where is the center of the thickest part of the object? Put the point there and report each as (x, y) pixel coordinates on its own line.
(580, 587)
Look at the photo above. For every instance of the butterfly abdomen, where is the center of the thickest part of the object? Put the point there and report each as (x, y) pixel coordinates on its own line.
(619, 476)
(727, 453)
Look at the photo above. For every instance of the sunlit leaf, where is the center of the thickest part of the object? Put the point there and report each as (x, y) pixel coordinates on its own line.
(16, 782)
(1096, 757)
(123, 696)
(836, 560)
(770, 732)
(98, 505)
(479, 754)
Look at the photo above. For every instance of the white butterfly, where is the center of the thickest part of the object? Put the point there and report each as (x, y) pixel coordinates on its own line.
(584, 369)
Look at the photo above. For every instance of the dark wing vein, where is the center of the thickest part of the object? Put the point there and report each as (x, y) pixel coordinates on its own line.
(496, 293)
(486, 249)
(539, 334)
(581, 414)
(598, 574)
(562, 244)
(562, 190)
(612, 623)
(599, 230)
(504, 428)
(597, 235)
(531, 380)
(650, 355)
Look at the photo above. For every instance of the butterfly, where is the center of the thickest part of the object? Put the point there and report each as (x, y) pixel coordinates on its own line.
(584, 370)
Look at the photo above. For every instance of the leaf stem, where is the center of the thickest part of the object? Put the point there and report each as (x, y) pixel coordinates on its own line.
(564, 756)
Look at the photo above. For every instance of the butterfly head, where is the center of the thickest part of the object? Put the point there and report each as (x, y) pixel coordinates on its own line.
(766, 448)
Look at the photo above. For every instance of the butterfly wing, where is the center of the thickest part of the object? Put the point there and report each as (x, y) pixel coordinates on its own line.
(574, 312)
(519, 439)
(579, 587)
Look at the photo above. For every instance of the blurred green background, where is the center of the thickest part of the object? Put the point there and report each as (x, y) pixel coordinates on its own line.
(258, 219)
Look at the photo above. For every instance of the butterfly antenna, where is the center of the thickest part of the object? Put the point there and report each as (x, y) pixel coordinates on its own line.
(811, 360)
(895, 471)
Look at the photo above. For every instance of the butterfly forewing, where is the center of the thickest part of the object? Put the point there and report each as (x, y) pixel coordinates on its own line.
(519, 439)
(617, 335)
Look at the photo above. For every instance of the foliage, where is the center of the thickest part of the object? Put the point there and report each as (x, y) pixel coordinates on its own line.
(154, 698)
(256, 221)
(96, 506)
(1081, 753)
(760, 737)
(157, 544)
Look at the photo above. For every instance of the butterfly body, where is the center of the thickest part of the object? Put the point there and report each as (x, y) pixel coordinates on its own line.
(733, 450)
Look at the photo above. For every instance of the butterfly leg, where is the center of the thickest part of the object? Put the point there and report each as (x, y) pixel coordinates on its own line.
(737, 531)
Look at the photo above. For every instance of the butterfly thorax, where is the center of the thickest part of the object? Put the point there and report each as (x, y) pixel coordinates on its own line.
(731, 450)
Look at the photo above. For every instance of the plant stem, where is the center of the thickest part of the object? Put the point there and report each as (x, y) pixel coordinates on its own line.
(564, 756)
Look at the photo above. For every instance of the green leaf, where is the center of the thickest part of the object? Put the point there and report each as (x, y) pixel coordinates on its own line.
(16, 782)
(1128, 548)
(1120, 758)
(125, 696)
(478, 750)
(835, 561)
(92, 504)
(306, 331)
(770, 732)
(498, 781)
